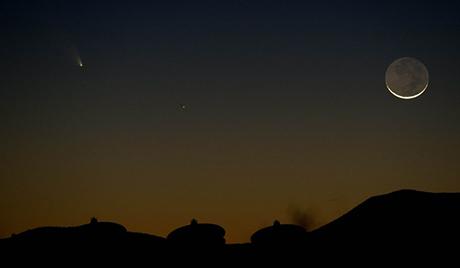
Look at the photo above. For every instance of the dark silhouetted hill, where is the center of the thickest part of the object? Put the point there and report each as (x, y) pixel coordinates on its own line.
(404, 225)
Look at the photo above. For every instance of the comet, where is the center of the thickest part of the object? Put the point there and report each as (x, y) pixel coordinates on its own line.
(76, 56)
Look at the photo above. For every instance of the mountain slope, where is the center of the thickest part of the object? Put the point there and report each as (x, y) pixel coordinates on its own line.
(401, 221)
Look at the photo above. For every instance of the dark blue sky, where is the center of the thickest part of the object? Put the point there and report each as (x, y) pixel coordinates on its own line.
(286, 102)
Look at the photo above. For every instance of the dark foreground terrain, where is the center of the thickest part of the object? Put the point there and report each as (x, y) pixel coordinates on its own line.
(404, 226)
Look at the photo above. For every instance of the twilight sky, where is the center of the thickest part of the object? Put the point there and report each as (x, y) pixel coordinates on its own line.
(286, 107)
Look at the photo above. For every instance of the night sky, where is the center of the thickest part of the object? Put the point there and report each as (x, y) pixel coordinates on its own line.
(232, 112)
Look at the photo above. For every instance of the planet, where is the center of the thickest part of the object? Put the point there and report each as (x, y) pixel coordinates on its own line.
(407, 78)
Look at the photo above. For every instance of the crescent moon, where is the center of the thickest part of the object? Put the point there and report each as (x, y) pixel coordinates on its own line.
(407, 78)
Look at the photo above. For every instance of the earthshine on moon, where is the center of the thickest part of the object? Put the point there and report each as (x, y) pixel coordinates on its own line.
(407, 78)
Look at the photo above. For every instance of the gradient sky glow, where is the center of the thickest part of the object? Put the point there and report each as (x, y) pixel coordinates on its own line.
(286, 107)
